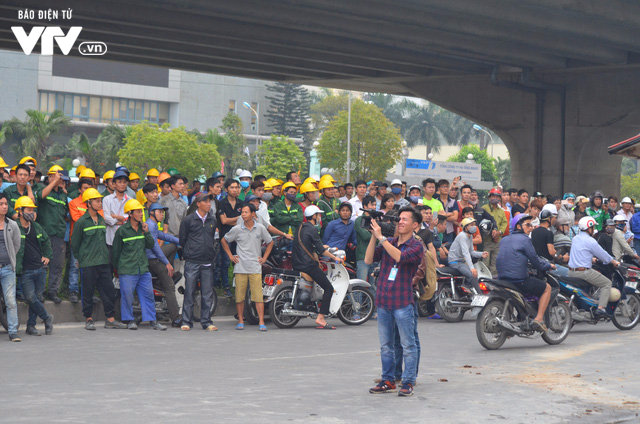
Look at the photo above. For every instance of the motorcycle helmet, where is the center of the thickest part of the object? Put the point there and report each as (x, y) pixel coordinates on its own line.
(586, 222)
(619, 218)
(614, 296)
(569, 196)
(311, 210)
(551, 208)
(485, 226)
(303, 300)
(516, 220)
(545, 215)
(609, 222)
(468, 221)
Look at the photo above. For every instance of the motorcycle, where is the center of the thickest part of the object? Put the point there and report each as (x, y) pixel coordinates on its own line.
(291, 296)
(454, 294)
(507, 312)
(624, 305)
(3, 311)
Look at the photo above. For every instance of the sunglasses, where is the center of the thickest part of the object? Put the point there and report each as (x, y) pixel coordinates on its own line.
(527, 224)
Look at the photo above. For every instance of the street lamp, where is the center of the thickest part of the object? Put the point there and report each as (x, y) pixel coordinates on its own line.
(479, 128)
(430, 156)
(248, 106)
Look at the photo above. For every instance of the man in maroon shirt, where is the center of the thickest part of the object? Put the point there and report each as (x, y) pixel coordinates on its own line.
(400, 258)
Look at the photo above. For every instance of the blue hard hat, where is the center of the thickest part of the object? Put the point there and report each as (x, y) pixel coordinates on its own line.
(217, 174)
(251, 197)
(156, 206)
(120, 174)
(568, 196)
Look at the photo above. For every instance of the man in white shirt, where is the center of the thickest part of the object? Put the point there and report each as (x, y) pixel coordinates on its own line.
(356, 202)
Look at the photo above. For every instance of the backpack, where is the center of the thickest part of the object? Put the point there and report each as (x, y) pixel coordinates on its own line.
(427, 286)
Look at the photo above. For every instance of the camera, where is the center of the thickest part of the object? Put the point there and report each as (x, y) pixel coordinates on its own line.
(387, 223)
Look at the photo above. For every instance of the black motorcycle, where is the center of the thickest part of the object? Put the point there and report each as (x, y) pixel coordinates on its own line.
(507, 312)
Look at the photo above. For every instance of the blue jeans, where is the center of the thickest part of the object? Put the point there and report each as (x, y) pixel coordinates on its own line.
(33, 282)
(224, 269)
(141, 283)
(8, 281)
(404, 321)
(74, 274)
(362, 270)
(193, 273)
(562, 271)
(398, 350)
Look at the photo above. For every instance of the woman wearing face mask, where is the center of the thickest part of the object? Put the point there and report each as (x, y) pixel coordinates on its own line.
(396, 191)
(461, 252)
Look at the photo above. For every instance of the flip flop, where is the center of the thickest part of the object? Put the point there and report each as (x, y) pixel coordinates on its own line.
(325, 327)
(262, 328)
(240, 327)
(540, 326)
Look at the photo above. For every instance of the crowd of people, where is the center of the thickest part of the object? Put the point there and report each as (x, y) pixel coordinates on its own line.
(117, 226)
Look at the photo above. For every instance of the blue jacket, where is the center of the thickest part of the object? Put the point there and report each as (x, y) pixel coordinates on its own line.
(337, 234)
(516, 250)
(634, 225)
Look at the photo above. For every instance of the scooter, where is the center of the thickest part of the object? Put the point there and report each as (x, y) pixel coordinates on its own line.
(454, 295)
(291, 296)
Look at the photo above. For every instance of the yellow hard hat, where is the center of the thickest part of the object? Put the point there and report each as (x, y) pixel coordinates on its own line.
(131, 205)
(326, 183)
(28, 158)
(307, 187)
(3, 164)
(287, 185)
(163, 176)
(133, 176)
(310, 180)
(91, 193)
(153, 172)
(108, 175)
(54, 169)
(267, 186)
(24, 202)
(280, 181)
(327, 177)
(87, 173)
(79, 169)
(466, 222)
(13, 168)
(273, 182)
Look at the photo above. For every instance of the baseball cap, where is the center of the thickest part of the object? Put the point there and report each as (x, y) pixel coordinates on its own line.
(203, 196)
(396, 182)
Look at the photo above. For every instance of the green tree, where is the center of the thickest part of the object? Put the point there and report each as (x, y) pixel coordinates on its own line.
(288, 111)
(232, 144)
(426, 125)
(35, 132)
(4, 131)
(628, 166)
(376, 144)
(503, 171)
(480, 157)
(151, 146)
(630, 186)
(279, 155)
(325, 110)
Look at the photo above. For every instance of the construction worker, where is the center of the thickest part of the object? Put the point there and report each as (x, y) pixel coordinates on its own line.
(77, 208)
(107, 179)
(21, 188)
(276, 190)
(5, 184)
(287, 214)
(163, 184)
(134, 182)
(114, 205)
(52, 216)
(152, 178)
(88, 244)
(31, 163)
(31, 262)
(309, 192)
(130, 259)
(326, 203)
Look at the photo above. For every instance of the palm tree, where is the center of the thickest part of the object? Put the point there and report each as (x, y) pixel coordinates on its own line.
(426, 125)
(503, 170)
(36, 131)
(4, 131)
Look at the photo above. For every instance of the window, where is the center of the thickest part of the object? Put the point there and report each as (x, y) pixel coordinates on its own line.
(232, 106)
(104, 109)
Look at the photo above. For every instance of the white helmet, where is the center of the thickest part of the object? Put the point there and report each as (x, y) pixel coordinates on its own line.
(619, 218)
(551, 208)
(626, 200)
(586, 222)
(614, 295)
(395, 182)
(245, 174)
(312, 210)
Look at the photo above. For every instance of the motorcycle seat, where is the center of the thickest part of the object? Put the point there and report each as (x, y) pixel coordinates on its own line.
(506, 285)
(288, 272)
(578, 282)
(445, 270)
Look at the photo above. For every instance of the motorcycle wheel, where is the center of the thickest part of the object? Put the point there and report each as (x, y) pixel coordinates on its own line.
(349, 314)
(282, 296)
(250, 312)
(197, 301)
(627, 314)
(559, 324)
(450, 313)
(423, 310)
(3, 313)
(490, 340)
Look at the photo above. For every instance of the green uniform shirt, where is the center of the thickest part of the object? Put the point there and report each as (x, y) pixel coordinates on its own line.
(329, 214)
(43, 240)
(128, 250)
(243, 195)
(498, 214)
(273, 202)
(89, 241)
(52, 211)
(363, 237)
(13, 194)
(287, 220)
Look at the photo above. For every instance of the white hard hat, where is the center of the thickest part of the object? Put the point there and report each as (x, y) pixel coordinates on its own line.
(551, 208)
(312, 210)
(245, 174)
(626, 200)
(395, 182)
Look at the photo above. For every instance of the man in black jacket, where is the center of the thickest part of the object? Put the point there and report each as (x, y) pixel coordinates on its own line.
(197, 232)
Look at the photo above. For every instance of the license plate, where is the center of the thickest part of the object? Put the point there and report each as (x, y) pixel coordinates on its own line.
(479, 300)
(268, 290)
(632, 284)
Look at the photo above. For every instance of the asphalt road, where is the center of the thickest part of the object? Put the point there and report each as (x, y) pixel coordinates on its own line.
(308, 375)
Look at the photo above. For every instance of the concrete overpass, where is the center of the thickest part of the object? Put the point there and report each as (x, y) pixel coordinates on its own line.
(558, 80)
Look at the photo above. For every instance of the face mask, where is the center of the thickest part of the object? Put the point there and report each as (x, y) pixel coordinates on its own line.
(414, 199)
(396, 190)
(620, 227)
(472, 230)
(244, 184)
(267, 196)
(29, 216)
(291, 197)
(610, 230)
(494, 201)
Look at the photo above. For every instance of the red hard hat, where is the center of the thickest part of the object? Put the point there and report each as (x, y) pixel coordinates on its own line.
(495, 191)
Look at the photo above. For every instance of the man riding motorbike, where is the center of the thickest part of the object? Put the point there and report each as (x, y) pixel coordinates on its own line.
(461, 252)
(516, 250)
(305, 241)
